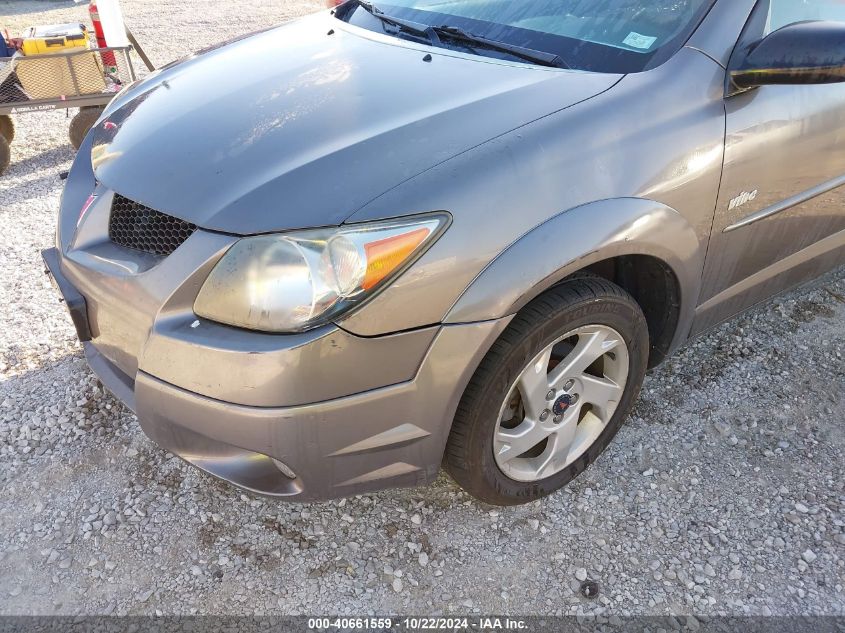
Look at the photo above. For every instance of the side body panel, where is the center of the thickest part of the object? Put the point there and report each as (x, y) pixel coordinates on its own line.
(631, 226)
(656, 136)
(780, 218)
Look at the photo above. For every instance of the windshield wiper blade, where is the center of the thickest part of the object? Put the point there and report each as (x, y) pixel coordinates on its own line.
(528, 54)
(434, 33)
(408, 26)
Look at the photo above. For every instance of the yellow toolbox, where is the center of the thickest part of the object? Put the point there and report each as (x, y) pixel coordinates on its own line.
(54, 38)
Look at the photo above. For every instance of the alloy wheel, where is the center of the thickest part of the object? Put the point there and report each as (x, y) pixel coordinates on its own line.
(560, 403)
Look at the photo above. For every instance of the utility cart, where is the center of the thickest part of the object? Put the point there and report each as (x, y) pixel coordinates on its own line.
(84, 78)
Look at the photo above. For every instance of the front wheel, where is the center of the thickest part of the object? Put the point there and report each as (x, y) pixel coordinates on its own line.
(550, 394)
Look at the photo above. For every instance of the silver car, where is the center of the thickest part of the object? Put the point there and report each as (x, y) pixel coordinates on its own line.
(327, 258)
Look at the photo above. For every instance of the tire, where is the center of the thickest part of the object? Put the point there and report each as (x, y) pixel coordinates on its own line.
(7, 128)
(82, 123)
(5, 154)
(584, 304)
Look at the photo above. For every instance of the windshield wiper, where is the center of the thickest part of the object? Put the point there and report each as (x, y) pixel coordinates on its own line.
(528, 54)
(435, 33)
(407, 26)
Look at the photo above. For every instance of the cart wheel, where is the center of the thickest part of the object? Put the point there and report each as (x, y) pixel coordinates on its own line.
(7, 128)
(5, 154)
(82, 123)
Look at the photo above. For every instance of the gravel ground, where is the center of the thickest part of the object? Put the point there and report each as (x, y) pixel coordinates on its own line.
(722, 495)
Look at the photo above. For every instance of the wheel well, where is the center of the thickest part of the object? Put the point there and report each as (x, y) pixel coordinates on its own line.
(654, 286)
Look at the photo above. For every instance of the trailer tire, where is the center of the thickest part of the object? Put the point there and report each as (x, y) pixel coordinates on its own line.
(82, 123)
(5, 154)
(7, 128)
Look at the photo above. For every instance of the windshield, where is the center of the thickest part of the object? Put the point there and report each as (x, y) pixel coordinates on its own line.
(617, 36)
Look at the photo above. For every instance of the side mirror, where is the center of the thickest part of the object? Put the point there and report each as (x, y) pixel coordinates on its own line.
(800, 53)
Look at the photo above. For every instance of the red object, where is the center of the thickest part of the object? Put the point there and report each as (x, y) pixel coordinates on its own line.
(334, 3)
(109, 60)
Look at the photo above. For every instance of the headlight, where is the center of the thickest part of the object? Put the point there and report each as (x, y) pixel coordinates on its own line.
(297, 281)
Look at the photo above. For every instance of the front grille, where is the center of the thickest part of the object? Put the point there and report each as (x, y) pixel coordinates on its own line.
(144, 229)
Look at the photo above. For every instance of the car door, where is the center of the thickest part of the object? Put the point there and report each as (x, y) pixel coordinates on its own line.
(780, 216)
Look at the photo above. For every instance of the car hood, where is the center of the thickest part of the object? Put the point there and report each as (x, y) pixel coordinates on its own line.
(296, 127)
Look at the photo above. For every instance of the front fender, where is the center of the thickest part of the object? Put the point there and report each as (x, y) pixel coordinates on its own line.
(577, 238)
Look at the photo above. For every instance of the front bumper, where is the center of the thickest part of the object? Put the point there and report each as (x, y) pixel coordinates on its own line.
(76, 304)
(384, 438)
(376, 438)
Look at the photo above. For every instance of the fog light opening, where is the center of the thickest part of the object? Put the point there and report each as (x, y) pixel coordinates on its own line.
(284, 469)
